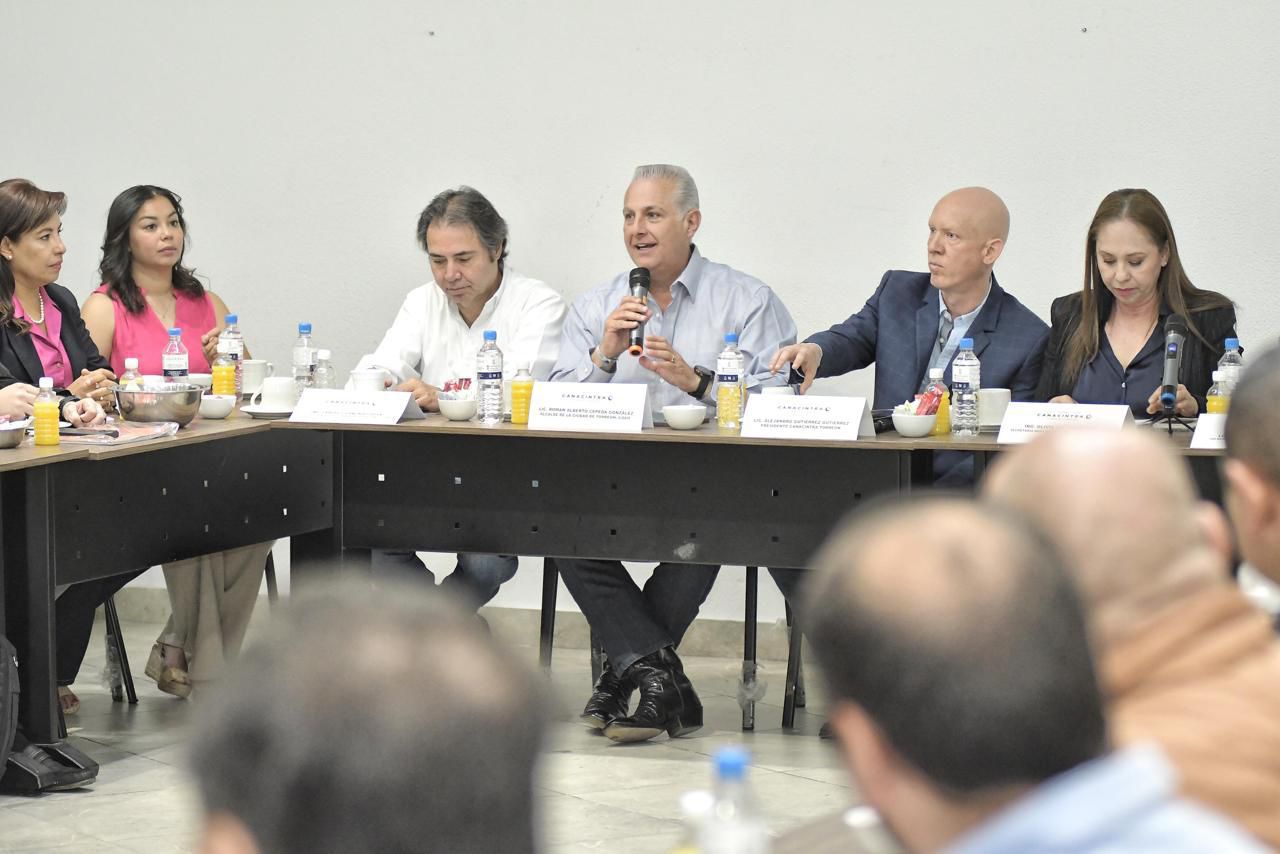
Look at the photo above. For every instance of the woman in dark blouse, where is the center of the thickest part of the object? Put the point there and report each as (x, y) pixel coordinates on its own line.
(1106, 344)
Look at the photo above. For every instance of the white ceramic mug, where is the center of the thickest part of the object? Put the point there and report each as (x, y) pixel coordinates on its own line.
(992, 402)
(252, 373)
(778, 389)
(277, 394)
(369, 379)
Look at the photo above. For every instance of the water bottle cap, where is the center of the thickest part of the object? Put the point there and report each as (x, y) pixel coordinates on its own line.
(731, 338)
(1233, 343)
(46, 383)
(323, 354)
(491, 335)
(131, 363)
(232, 319)
(1219, 376)
(304, 328)
(731, 763)
(175, 330)
(966, 343)
(936, 373)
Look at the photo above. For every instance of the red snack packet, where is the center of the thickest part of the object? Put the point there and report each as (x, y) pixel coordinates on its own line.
(927, 403)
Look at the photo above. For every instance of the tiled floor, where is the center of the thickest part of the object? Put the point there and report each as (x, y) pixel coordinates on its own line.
(594, 795)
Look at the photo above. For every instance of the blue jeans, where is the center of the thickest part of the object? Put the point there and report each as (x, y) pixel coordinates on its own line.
(476, 578)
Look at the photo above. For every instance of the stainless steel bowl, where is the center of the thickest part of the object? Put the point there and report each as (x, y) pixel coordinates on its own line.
(163, 402)
(11, 436)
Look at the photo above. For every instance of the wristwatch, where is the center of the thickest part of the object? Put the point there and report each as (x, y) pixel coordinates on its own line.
(606, 364)
(705, 378)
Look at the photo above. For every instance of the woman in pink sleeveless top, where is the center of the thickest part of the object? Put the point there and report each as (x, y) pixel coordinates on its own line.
(145, 291)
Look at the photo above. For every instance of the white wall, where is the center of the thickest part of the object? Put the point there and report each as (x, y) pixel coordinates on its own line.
(305, 137)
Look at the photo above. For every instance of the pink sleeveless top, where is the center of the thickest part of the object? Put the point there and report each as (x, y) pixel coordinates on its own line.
(144, 336)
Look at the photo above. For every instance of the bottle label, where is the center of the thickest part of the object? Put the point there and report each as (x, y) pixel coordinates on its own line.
(963, 374)
(304, 357)
(481, 376)
(174, 364)
(727, 378)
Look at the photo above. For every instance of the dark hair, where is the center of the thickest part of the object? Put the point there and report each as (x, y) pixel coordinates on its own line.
(466, 206)
(23, 207)
(116, 269)
(994, 686)
(1253, 422)
(1174, 286)
(375, 720)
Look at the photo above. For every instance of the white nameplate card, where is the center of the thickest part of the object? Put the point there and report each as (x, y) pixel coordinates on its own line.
(1024, 421)
(1210, 432)
(335, 406)
(788, 416)
(590, 407)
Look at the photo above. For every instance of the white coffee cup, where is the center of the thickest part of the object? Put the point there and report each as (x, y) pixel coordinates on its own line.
(778, 389)
(277, 394)
(369, 379)
(252, 373)
(992, 402)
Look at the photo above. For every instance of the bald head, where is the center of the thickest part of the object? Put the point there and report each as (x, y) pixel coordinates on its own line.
(979, 208)
(1124, 512)
(957, 630)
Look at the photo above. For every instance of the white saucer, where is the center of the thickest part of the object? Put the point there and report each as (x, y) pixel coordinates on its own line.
(260, 411)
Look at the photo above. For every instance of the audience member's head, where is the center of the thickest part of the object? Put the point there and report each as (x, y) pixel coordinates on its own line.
(382, 720)
(1123, 509)
(1252, 468)
(957, 658)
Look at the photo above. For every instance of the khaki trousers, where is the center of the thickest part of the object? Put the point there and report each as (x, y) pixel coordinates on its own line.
(211, 598)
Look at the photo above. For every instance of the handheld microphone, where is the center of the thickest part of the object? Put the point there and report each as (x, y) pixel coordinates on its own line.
(1175, 336)
(639, 283)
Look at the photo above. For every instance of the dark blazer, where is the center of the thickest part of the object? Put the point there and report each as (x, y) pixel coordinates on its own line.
(1198, 360)
(898, 325)
(18, 359)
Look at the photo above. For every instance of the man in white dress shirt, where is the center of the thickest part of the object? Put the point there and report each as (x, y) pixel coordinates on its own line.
(440, 328)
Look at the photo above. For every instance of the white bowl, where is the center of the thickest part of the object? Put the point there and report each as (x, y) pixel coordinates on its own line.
(217, 405)
(202, 380)
(684, 416)
(458, 409)
(914, 426)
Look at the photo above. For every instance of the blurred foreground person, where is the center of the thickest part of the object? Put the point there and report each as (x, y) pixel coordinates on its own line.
(1252, 469)
(1185, 659)
(964, 696)
(371, 720)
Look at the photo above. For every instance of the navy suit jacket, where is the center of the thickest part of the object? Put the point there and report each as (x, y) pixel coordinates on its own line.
(896, 330)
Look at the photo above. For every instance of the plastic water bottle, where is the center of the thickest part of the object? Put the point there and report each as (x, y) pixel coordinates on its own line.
(326, 376)
(966, 379)
(304, 359)
(730, 385)
(174, 361)
(734, 826)
(47, 414)
(489, 379)
(1219, 398)
(1232, 362)
(130, 380)
(695, 807)
(234, 340)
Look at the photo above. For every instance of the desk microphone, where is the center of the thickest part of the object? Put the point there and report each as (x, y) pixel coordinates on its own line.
(639, 282)
(1175, 335)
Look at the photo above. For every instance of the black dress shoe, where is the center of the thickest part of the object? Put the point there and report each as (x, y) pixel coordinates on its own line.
(667, 702)
(610, 698)
(35, 769)
(825, 732)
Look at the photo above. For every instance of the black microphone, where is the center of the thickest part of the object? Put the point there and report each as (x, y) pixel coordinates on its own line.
(639, 283)
(1175, 335)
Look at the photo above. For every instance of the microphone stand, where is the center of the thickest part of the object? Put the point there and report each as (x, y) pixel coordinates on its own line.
(1169, 416)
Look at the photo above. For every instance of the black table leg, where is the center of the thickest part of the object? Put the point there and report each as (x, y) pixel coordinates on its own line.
(547, 627)
(749, 667)
(41, 718)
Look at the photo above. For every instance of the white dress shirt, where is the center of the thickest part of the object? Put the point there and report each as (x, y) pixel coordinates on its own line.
(430, 341)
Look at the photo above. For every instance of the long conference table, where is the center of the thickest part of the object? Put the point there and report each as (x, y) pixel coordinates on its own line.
(74, 512)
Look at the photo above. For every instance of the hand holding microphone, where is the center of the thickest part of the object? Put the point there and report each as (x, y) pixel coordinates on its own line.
(639, 287)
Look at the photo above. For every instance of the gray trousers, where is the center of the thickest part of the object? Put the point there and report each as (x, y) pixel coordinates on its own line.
(475, 579)
(632, 622)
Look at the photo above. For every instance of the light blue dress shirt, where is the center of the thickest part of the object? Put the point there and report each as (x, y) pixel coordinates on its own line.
(707, 300)
(1124, 802)
(940, 359)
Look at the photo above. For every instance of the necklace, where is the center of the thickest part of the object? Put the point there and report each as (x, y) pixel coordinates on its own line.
(39, 320)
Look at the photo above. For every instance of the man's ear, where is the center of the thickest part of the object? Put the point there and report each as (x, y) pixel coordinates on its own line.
(223, 833)
(1213, 523)
(1251, 495)
(692, 221)
(865, 750)
(992, 251)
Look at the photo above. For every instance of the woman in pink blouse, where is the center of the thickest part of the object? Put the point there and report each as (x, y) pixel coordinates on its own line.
(146, 290)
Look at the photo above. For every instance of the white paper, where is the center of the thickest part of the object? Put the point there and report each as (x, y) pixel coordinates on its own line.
(1024, 421)
(1210, 431)
(807, 417)
(338, 406)
(590, 407)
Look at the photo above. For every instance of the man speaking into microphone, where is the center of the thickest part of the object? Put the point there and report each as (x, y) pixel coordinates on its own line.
(692, 302)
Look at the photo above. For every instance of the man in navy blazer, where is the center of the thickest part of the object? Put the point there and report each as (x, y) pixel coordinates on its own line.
(900, 326)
